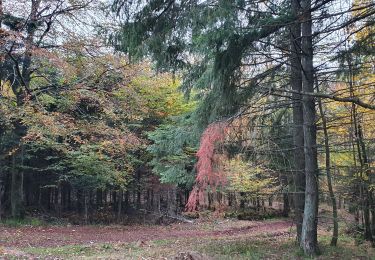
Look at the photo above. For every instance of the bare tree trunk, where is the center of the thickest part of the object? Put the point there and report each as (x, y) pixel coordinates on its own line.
(17, 210)
(119, 209)
(298, 139)
(172, 209)
(127, 203)
(372, 211)
(1, 198)
(159, 202)
(1, 133)
(29, 42)
(328, 172)
(1, 17)
(309, 225)
(286, 207)
(365, 194)
(242, 200)
(368, 193)
(19, 90)
(86, 206)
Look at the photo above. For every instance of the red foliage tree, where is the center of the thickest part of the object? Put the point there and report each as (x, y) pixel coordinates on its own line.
(209, 166)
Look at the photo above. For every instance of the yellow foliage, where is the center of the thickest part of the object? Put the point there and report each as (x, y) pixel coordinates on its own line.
(248, 177)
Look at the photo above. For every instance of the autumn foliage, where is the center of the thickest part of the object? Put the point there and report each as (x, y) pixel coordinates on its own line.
(210, 170)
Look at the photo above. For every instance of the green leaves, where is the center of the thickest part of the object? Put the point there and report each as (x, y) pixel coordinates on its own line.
(89, 169)
(173, 150)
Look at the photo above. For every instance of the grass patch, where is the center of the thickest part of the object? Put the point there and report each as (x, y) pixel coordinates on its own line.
(286, 249)
(244, 245)
(161, 242)
(217, 248)
(239, 250)
(28, 221)
(77, 251)
(243, 249)
(71, 251)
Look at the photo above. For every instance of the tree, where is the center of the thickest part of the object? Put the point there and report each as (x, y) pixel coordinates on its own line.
(223, 41)
(85, 126)
(173, 150)
(298, 139)
(310, 215)
(24, 37)
(329, 175)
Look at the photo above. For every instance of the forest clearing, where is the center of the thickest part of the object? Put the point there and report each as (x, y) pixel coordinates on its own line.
(186, 129)
(206, 239)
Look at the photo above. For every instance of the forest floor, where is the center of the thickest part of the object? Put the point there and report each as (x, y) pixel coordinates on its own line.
(215, 239)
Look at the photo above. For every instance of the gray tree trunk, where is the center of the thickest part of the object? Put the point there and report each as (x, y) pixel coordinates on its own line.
(1, 198)
(368, 193)
(364, 192)
(335, 233)
(309, 224)
(86, 206)
(20, 90)
(298, 139)
(119, 210)
(16, 191)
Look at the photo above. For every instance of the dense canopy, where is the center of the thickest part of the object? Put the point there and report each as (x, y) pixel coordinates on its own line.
(112, 109)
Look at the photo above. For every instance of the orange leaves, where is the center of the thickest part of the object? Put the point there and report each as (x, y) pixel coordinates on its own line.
(209, 166)
(210, 172)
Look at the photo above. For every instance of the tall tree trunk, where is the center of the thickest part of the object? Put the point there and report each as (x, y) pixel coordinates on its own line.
(365, 194)
(127, 200)
(119, 208)
(284, 182)
(16, 190)
(368, 193)
(1, 17)
(99, 197)
(86, 206)
(309, 224)
(298, 139)
(172, 209)
(20, 89)
(329, 178)
(29, 42)
(242, 200)
(2, 191)
(372, 209)
(286, 207)
(1, 26)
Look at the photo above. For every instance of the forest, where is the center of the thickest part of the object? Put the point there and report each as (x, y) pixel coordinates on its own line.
(186, 129)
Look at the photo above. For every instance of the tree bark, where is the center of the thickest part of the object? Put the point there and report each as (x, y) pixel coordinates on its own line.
(286, 207)
(335, 233)
(172, 209)
(309, 224)
(16, 190)
(86, 206)
(365, 194)
(368, 193)
(242, 200)
(119, 209)
(1, 198)
(298, 139)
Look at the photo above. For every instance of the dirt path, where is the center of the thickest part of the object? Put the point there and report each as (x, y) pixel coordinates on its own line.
(70, 235)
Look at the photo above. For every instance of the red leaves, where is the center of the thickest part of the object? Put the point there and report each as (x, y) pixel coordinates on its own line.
(210, 172)
(208, 166)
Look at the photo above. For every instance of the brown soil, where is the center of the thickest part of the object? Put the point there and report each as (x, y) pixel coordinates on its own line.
(51, 236)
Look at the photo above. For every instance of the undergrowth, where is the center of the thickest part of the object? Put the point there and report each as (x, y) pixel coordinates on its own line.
(18, 222)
